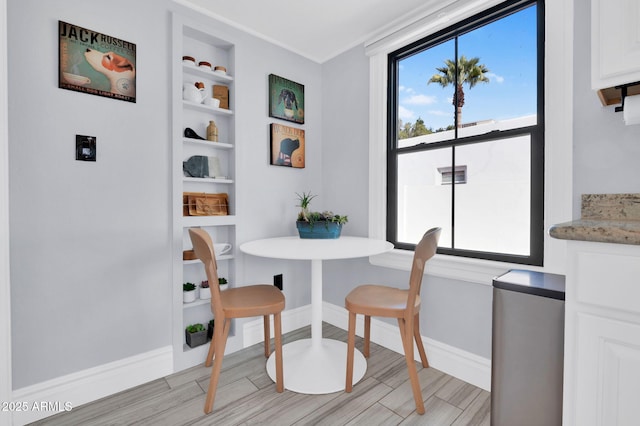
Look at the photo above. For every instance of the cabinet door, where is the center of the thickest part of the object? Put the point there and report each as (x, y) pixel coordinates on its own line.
(608, 371)
(615, 42)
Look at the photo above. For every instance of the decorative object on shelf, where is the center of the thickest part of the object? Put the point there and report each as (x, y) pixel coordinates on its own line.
(212, 323)
(205, 291)
(220, 69)
(202, 166)
(192, 92)
(222, 93)
(188, 292)
(189, 60)
(212, 130)
(223, 283)
(287, 146)
(316, 225)
(286, 99)
(190, 133)
(203, 204)
(196, 335)
(83, 67)
(221, 248)
(205, 65)
(212, 102)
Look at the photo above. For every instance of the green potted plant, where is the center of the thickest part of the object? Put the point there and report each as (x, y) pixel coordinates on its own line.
(205, 291)
(188, 292)
(317, 224)
(196, 335)
(223, 283)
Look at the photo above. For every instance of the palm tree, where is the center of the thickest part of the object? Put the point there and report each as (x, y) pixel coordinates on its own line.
(468, 71)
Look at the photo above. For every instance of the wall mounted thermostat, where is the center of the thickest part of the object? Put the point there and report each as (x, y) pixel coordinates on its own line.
(85, 148)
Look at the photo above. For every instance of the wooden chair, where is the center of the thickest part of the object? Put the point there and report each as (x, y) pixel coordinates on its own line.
(389, 302)
(242, 302)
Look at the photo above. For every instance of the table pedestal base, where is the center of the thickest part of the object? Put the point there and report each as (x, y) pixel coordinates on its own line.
(318, 369)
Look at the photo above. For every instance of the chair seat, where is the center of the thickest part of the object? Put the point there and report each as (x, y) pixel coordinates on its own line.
(379, 301)
(254, 300)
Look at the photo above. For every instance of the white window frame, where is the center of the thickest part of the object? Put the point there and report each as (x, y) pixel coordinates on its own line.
(558, 135)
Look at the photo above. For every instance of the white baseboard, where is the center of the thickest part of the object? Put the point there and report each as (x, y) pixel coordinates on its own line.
(464, 365)
(67, 392)
(455, 362)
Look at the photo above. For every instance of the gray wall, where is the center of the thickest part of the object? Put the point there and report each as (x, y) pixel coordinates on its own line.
(606, 152)
(90, 242)
(454, 312)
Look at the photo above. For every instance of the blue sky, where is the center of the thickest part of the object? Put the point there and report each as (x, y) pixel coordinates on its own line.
(506, 47)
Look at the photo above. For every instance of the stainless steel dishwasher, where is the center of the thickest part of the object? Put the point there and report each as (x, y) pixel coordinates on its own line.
(527, 349)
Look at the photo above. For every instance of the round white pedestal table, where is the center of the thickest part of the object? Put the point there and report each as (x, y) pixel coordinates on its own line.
(316, 365)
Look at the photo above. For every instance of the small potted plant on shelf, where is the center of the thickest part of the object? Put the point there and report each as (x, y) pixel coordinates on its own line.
(196, 335)
(205, 291)
(210, 329)
(188, 292)
(224, 284)
(317, 224)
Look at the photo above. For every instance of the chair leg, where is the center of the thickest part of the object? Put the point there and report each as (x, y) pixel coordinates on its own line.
(277, 325)
(221, 342)
(267, 336)
(212, 350)
(406, 332)
(351, 344)
(418, 339)
(367, 335)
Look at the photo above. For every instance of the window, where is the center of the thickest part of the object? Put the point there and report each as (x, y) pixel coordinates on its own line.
(449, 175)
(465, 144)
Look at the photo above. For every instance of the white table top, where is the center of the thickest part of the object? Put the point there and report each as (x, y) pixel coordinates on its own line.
(297, 248)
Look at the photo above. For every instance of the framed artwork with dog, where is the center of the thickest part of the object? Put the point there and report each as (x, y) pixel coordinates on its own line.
(286, 99)
(96, 63)
(287, 146)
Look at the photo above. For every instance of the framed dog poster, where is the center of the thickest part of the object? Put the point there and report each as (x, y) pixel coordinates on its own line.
(286, 99)
(96, 63)
(287, 146)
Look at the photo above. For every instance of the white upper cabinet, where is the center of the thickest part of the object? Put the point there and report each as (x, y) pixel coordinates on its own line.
(615, 42)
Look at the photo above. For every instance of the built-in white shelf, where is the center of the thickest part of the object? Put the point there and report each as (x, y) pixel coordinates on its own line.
(197, 302)
(206, 73)
(206, 108)
(207, 180)
(208, 144)
(218, 258)
(189, 221)
(198, 40)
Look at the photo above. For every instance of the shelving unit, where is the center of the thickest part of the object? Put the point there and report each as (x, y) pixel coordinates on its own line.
(191, 39)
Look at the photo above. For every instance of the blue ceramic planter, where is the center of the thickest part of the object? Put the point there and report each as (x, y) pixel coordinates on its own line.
(319, 230)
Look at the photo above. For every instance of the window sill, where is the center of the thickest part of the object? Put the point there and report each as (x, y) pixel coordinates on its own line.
(457, 268)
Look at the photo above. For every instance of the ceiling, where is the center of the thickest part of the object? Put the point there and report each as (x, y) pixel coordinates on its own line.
(318, 30)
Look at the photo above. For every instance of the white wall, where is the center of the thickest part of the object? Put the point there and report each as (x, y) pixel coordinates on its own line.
(606, 152)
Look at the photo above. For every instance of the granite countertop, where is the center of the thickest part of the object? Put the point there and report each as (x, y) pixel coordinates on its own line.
(607, 218)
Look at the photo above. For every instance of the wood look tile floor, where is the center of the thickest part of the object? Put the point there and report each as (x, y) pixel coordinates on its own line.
(247, 396)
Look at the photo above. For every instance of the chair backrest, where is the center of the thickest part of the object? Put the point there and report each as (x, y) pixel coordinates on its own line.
(424, 251)
(203, 249)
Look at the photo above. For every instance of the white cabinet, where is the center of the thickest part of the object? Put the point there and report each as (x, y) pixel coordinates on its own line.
(602, 335)
(197, 41)
(615, 42)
